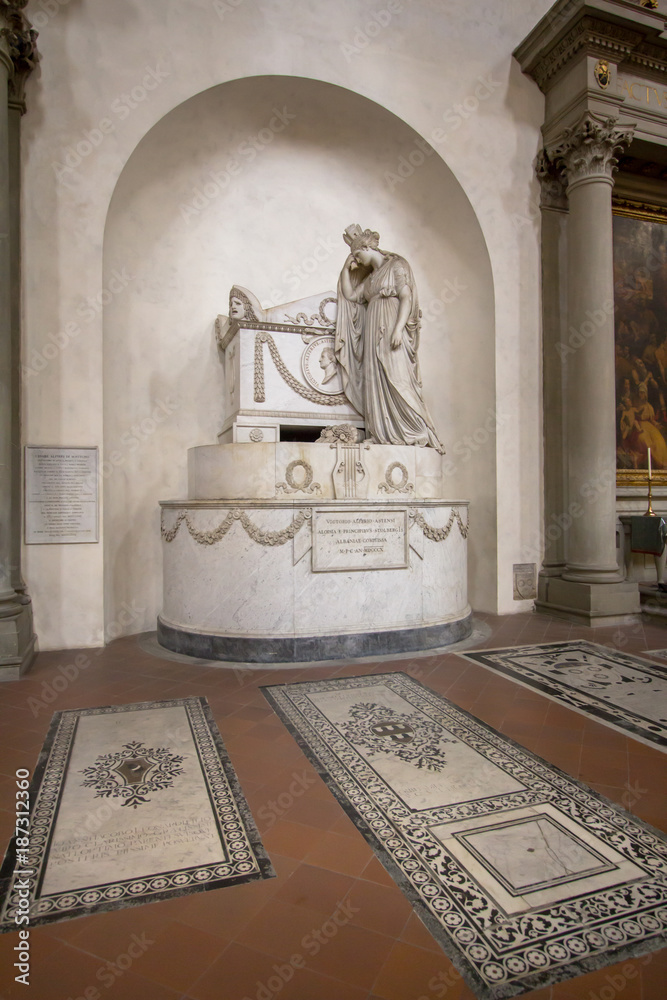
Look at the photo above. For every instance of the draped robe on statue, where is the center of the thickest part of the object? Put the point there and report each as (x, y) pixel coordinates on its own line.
(383, 384)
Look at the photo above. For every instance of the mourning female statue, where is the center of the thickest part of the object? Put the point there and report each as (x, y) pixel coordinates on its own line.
(376, 343)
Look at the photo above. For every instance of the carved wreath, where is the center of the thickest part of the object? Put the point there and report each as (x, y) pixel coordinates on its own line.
(389, 486)
(305, 486)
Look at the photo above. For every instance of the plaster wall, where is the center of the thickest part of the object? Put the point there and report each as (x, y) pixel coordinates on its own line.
(109, 74)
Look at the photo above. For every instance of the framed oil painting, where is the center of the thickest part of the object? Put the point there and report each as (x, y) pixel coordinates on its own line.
(640, 310)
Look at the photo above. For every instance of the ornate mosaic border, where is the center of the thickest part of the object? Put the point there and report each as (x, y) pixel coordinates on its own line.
(498, 954)
(588, 702)
(247, 859)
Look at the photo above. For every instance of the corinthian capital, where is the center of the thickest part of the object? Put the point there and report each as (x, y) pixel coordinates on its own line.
(18, 42)
(589, 148)
(552, 183)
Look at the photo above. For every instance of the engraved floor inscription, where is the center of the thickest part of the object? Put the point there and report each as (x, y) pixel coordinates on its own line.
(132, 802)
(525, 876)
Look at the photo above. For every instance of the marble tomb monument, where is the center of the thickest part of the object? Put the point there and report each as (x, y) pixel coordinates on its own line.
(319, 526)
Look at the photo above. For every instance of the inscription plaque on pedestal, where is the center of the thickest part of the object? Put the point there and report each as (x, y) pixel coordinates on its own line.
(60, 495)
(346, 540)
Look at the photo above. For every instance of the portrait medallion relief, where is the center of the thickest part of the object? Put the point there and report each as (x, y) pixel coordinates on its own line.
(320, 368)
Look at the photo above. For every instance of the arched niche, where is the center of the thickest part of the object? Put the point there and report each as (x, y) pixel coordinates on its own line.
(252, 182)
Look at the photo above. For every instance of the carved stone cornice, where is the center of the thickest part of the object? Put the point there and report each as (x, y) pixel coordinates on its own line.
(649, 57)
(588, 149)
(597, 37)
(20, 40)
(553, 186)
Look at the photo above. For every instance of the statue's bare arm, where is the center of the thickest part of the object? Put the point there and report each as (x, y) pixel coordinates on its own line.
(404, 306)
(351, 294)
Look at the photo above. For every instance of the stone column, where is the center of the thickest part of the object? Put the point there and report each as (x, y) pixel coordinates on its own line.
(17, 58)
(554, 208)
(591, 585)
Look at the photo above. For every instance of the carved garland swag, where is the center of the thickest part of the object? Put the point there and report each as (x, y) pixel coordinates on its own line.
(303, 390)
(263, 537)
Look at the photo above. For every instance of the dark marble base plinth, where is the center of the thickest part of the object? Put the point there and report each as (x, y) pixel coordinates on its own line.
(305, 649)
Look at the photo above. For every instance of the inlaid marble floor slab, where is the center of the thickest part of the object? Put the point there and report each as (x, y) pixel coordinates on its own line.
(524, 876)
(618, 689)
(129, 804)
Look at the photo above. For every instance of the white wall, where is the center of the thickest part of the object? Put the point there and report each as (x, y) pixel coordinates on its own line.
(326, 169)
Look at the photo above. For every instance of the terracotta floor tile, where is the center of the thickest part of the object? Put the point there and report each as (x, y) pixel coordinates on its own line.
(239, 972)
(353, 954)
(378, 907)
(318, 812)
(42, 947)
(163, 960)
(315, 888)
(230, 726)
(283, 867)
(411, 972)
(256, 714)
(348, 855)
(607, 774)
(416, 933)
(653, 972)
(309, 985)
(246, 974)
(294, 840)
(376, 872)
(269, 733)
(645, 772)
(281, 929)
(66, 972)
(225, 912)
(345, 825)
(109, 934)
(132, 986)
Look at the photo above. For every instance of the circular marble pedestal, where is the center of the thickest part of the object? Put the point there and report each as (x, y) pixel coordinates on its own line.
(269, 581)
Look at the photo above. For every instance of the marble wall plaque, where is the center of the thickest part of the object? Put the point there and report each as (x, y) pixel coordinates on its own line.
(358, 539)
(60, 495)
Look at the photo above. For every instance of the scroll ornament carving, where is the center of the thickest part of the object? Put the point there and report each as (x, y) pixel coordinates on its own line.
(257, 534)
(589, 148)
(305, 391)
(319, 318)
(21, 40)
(552, 183)
(440, 534)
(305, 485)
